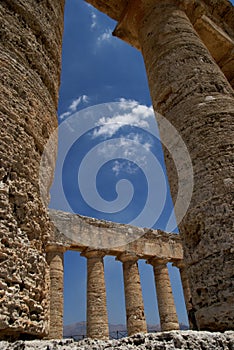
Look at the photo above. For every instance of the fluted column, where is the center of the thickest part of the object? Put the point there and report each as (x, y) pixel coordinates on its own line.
(166, 305)
(55, 259)
(188, 88)
(135, 315)
(97, 318)
(187, 293)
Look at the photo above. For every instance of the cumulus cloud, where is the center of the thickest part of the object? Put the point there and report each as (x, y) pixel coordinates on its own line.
(74, 105)
(125, 166)
(133, 154)
(131, 113)
(132, 145)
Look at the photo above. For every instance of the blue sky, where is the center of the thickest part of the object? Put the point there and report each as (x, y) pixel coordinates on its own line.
(98, 68)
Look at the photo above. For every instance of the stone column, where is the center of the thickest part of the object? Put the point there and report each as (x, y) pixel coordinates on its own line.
(97, 318)
(135, 315)
(166, 305)
(55, 260)
(187, 293)
(189, 89)
(30, 60)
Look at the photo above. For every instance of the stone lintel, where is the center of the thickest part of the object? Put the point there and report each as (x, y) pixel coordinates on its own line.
(221, 10)
(145, 243)
(219, 43)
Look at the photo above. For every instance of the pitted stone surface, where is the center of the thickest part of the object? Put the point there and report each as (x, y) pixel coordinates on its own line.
(56, 267)
(135, 315)
(176, 340)
(31, 34)
(188, 88)
(166, 305)
(97, 318)
(79, 232)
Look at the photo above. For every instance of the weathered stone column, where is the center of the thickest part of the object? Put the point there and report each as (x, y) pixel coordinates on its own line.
(135, 315)
(189, 89)
(55, 260)
(30, 59)
(97, 318)
(166, 305)
(187, 293)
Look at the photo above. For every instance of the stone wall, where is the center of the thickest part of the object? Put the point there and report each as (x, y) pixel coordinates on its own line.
(31, 35)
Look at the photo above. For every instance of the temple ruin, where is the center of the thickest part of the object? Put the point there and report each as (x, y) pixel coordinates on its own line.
(155, 247)
(188, 50)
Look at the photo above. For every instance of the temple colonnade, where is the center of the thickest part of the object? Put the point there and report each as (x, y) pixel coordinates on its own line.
(156, 248)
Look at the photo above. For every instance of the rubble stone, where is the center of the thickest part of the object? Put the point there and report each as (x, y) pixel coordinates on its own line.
(175, 340)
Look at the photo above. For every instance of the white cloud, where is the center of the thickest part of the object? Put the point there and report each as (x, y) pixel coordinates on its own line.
(105, 37)
(126, 104)
(125, 166)
(133, 154)
(93, 15)
(94, 20)
(64, 115)
(74, 105)
(132, 145)
(134, 114)
(85, 99)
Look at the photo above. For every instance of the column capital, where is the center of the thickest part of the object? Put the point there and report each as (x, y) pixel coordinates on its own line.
(126, 29)
(156, 262)
(134, 13)
(180, 264)
(92, 253)
(127, 257)
(56, 248)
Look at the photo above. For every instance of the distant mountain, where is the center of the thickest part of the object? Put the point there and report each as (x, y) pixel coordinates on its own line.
(78, 330)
